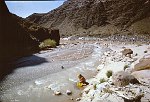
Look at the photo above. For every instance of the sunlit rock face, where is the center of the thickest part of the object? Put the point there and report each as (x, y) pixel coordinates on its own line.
(86, 16)
(144, 64)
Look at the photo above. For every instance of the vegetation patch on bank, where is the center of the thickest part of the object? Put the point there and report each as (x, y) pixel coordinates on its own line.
(48, 43)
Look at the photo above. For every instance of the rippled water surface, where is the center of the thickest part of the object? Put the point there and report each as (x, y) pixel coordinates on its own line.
(36, 77)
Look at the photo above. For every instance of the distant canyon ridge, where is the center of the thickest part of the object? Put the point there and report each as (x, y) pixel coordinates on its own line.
(97, 17)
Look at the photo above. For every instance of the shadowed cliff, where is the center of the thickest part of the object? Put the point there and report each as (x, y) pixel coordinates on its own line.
(19, 37)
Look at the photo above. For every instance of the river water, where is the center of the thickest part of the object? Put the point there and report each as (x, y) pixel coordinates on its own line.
(37, 77)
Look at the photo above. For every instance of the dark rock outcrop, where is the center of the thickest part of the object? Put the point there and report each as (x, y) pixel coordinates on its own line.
(19, 37)
(38, 32)
(102, 16)
(14, 39)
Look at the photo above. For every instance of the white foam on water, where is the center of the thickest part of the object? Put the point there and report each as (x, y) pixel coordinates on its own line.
(62, 79)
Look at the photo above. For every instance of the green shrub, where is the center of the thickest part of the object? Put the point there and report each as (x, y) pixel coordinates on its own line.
(94, 86)
(109, 73)
(48, 43)
(107, 90)
(102, 80)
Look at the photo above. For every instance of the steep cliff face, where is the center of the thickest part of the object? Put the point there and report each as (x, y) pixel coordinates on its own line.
(92, 16)
(14, 39)
(19, 37)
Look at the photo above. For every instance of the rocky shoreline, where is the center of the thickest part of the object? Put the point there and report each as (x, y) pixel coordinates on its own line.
(104, 89)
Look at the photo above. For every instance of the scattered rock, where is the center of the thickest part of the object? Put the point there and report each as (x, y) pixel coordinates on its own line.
(62, 67)
(78, 99)
(134, 99)
(145, 51)
(57, 93)
(136, 54)
(98, 70)
(107, 53)
(71, 98)
(127, 52)
(68, 92)
(87, 91)
(48, 87)
(123, 78)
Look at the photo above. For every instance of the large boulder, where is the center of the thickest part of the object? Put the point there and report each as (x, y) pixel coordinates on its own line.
(143, 76)
(143, 64)
(123, 78)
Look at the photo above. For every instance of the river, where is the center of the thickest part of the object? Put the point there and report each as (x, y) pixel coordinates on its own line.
(36, 77)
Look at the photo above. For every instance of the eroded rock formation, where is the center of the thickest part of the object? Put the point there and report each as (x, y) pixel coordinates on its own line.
(19, 37)
(96, 17)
